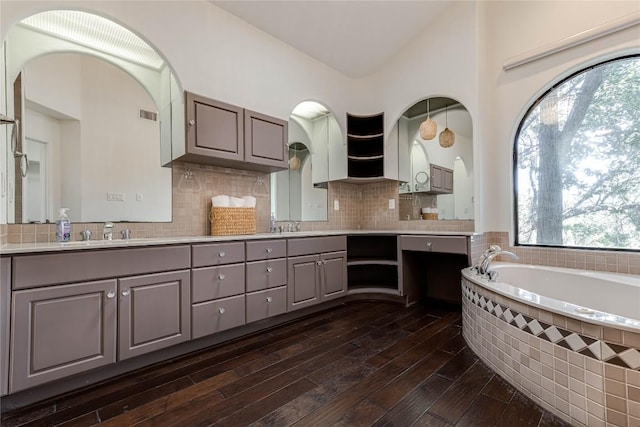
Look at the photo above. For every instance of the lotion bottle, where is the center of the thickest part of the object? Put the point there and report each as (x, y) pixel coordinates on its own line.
(63, 226)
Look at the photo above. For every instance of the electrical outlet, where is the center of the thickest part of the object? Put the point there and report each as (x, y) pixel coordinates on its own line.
(115, 197)
(392, 204)
(336, 205)
(138, 197)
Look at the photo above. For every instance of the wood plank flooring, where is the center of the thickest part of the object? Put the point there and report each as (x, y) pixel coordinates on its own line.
(359, 364)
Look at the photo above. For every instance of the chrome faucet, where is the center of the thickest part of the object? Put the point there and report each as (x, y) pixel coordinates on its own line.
(107, 231)
(126, 234)
(484, 267)
(85, 235)
(476, 266)
(298, 226)
(290, 227)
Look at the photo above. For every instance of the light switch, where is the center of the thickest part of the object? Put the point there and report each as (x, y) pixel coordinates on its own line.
(392, 204)
(336, 205)
(139, 197)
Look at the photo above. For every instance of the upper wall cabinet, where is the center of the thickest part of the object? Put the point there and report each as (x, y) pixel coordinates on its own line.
(226, 135)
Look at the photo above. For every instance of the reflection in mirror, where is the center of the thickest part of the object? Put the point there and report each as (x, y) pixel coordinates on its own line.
(300, 193)
(96, 121)
(436, 180)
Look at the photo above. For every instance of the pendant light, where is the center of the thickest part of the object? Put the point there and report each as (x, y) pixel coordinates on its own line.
(294, 162)
(447, 137)
(428, 128)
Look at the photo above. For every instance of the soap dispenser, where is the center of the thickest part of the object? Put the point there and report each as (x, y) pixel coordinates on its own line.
(63, 226)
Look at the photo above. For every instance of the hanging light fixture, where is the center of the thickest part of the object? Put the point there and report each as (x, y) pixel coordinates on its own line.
(447, 137)
(294, 162)
(428, 128)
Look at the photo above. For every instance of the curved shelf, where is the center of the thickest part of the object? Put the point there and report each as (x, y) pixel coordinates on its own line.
(371, 261)
(364, 289)
(364, 137)
(365, 158)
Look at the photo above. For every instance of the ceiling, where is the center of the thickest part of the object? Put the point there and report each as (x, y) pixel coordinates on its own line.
(355, 38)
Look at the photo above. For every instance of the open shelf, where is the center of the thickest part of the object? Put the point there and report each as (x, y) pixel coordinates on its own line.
(365, 146)
(372, 263)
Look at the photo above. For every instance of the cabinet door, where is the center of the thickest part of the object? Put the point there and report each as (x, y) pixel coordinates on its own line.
(447, 175)
(214, 128)
(303, 281)
(61, 330)
(154, 312)
(334, 275)
(265, 140)
(5, 297)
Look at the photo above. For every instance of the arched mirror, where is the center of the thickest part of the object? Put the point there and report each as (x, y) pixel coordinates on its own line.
(301, 193)
(435, 140)
(99, 110)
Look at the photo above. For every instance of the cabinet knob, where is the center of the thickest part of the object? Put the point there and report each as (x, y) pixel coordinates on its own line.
(324, 262)
(221, 310)
(269, 269)
(269, 299)
(318, 262)
(192, 122)
(269, 250)
(111, 294)
(125, 293)
(221, 276)
(221, 253)
(429, 245)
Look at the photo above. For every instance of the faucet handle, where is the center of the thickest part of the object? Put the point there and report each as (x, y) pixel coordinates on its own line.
(85, 235)
(126, 234)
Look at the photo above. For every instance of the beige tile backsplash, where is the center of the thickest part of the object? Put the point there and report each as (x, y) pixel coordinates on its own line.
(362, 206)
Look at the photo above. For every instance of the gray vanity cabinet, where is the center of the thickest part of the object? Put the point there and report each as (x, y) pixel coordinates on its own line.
(154, 312)
(317, 270)
(62, 330)
(218, 283)
(441, 180)
(266, 279)
(5, 316)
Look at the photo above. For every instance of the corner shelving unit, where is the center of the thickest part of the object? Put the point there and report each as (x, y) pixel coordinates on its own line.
(372, 264)
(365, 147)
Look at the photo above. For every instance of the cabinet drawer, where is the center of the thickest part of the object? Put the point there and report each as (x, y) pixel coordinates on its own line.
(217, 253)
(267, 249)
(61, 268)
(218, 315)
(446, 244)
(263, 304)
(266, 274)
(217, 282)
(316, 245)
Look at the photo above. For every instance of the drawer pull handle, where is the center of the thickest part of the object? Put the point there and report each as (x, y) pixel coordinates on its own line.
(269, 250)
(269, 299)
(221, 310)
(125, 293)
(111, 294)
(222, 254)
(269, 269)
(221, 276)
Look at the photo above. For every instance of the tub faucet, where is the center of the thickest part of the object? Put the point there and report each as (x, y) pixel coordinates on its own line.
(484, 267)
(107, 231)
(483, 257)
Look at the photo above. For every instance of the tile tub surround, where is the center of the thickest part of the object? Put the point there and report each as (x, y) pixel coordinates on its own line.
(584, 373)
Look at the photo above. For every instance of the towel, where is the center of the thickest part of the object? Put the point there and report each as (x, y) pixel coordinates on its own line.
(221, 201)
(236, 202)
(249, 201)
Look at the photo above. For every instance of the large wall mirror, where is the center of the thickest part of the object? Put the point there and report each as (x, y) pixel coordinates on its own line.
(99, 110)
(435, 157)
(301, 193)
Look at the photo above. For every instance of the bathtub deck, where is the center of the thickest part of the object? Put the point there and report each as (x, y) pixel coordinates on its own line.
(364, 363)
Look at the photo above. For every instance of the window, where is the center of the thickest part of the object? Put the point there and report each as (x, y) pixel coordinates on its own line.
(577, 161)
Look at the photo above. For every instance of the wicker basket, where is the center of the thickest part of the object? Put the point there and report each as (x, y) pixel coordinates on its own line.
(230, 221)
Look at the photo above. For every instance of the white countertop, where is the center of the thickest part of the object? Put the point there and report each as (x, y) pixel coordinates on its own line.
(25, 248)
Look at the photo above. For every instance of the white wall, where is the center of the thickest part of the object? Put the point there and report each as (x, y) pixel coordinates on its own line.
(513, 28)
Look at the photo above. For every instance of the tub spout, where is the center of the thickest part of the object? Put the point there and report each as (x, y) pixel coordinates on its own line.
(484, 266)
(478, 264)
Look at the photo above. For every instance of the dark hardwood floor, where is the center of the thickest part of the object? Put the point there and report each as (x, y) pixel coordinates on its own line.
(360, 364)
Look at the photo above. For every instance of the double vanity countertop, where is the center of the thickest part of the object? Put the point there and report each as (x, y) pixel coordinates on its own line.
(25, 248)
